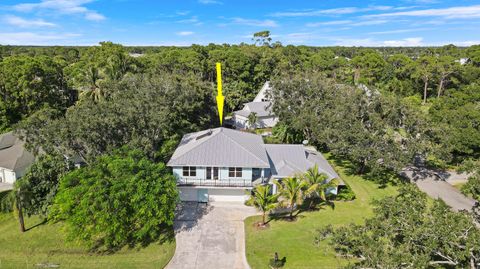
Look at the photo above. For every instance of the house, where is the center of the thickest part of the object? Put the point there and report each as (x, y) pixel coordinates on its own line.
(224, 165)
(14, 158)
(262, 106)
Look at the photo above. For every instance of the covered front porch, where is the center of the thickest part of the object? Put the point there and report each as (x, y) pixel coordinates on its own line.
(228, 182)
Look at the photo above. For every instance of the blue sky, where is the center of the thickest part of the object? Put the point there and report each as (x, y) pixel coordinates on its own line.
(299, 22)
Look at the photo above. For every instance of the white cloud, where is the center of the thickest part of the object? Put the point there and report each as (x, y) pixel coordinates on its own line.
(29, 38)
(399, 31)
(332, 11)
(24, 23)
(368, 42)
(63, 7)
(367, 23)
(464, 12)
(210, 2)
(184, 33)
(327, 23)
(251, 22)
(347, 23)
(193, 19)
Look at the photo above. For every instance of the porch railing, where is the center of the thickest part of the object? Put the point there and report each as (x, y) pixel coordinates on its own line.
(215, 183)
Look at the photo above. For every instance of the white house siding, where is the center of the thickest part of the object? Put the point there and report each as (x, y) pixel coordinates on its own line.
(222, 173)
(266, 122)
(240, 122)
(263, 122)
(7, 176)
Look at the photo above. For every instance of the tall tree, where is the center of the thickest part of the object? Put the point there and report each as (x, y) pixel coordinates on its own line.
(264, 200)
(425, 72)
(29, 83)
(291, 192)
(316, 184)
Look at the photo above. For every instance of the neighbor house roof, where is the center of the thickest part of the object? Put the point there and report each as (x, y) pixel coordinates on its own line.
(262, 109)
(13, 155)
(220, 147)
(288, 160)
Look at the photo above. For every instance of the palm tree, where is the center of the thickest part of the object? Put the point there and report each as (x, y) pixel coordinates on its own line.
(264, 200)
(316, 183)
(291, 189)
(252, 120)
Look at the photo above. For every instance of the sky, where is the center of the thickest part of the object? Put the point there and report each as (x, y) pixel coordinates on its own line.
(186, 22)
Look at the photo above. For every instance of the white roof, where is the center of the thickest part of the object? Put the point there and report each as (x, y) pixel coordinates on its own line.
(262, 109)
(262, 94)
(220, 147)
(288, 160)
(13, 155)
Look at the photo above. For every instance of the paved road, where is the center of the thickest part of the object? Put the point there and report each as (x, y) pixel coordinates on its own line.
(210, 236)
(445, 191)
(434, 184)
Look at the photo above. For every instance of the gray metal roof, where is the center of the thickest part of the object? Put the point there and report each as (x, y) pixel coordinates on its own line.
(220, 147)
(13, 155)
(288, 160)
(263, 109)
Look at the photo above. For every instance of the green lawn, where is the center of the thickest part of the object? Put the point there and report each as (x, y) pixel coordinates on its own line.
(44, 244)
(295, 240)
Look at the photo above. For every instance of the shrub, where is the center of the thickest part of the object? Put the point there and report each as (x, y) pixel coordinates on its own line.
(345, 193)
(6, 201)
(121, 199)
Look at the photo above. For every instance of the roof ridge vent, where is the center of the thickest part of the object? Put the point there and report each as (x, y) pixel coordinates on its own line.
(208, 133)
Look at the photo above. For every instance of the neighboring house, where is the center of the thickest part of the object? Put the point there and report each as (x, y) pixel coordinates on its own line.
(224, 165)
(14, 159)
(262, 106)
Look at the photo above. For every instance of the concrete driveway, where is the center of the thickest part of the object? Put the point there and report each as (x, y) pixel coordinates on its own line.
(434, 184)
(210, 236)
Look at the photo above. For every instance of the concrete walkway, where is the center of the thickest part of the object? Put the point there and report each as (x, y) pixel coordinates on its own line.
(210, 236)
(435, 185)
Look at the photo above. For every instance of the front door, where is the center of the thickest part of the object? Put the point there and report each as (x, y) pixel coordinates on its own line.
(212, 173)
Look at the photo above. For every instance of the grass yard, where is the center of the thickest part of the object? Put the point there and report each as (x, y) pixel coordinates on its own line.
(295, 240)
(44, 245)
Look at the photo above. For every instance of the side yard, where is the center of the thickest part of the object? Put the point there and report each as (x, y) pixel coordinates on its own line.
(43, 246)
(295, 240)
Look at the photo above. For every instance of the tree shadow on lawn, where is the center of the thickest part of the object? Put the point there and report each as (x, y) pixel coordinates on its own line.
(309, 205)
(42, 222)
(165, 235)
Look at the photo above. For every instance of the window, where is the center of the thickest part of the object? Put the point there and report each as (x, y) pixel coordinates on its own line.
(235, 172)
(189, 171)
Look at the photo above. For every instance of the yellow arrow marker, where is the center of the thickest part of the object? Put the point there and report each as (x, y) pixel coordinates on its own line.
(220, 97)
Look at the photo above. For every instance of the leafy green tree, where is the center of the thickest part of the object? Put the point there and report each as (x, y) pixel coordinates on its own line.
(264, 200)
(120, 199)
(446, 67)
(425, 71)
(457, 114)
(316, 184)
(407, 232)
(98, 67)
(262, 38)
(369, 68)
(142, 112)
(38, 187)
(29, 83)
(291, 192)
(472, 187)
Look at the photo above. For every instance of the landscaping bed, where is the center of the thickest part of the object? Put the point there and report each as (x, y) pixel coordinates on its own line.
(295, 240)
